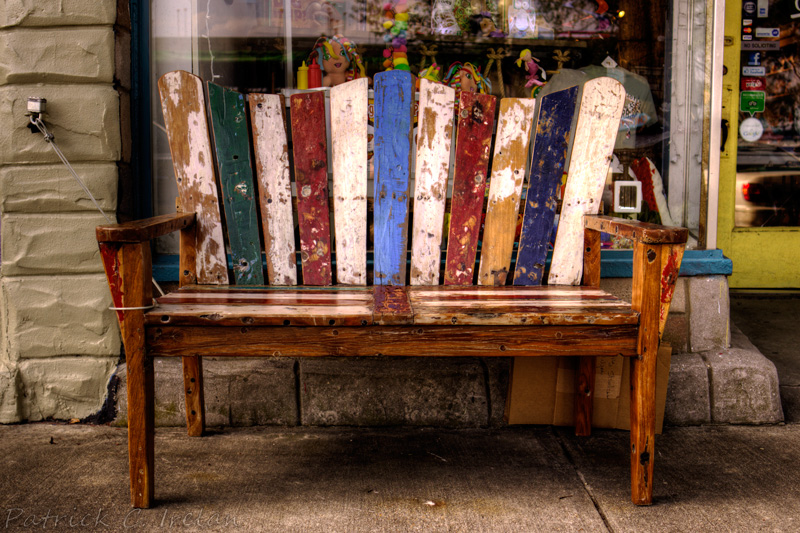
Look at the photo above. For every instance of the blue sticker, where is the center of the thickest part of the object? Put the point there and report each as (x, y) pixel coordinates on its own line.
(754, 59)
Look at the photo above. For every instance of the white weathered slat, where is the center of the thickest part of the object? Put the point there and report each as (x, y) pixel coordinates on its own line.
(349, 143)
(183, 105)
(598, 122)
(436, 104)
(274, 186)
(511, 146)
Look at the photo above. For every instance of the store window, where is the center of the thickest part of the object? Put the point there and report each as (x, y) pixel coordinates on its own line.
(514, 48)
(768, 160)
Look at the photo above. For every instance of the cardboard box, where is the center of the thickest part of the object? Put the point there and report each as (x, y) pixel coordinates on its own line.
(542, 391)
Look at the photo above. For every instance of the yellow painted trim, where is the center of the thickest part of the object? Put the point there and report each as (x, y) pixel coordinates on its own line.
(762, 257)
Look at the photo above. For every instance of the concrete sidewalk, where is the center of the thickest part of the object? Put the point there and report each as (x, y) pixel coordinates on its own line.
(713, 478)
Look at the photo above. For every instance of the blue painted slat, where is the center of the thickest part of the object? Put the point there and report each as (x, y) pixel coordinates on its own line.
(394, 104)
(551, 141)
(232, 142)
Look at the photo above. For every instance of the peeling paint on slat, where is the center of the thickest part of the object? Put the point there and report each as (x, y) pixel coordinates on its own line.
(473, 143)
(505, 187)
(434, 143)
(183, 105)
(275, 188)
(349, 140)
(595, 134)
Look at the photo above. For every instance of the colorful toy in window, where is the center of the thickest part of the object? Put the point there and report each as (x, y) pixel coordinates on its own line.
(433, 73)
(339, 60)
(482, 24)
(466, 77)
(533, 68)
(395, 54)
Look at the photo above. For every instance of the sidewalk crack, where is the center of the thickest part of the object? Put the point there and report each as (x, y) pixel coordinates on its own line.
(586, 486)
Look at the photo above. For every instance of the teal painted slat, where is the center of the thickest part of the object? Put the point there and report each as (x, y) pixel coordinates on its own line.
(394, 104)
(232, 145)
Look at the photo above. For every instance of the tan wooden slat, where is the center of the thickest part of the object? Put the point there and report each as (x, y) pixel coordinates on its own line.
(508, 173)
(261, 315)
(434, 143)
(185, 118)
(420, 341)
(593, 144)
(271, 150)
(349, 139)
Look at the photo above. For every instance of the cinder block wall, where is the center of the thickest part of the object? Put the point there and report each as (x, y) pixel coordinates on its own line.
(60, 345)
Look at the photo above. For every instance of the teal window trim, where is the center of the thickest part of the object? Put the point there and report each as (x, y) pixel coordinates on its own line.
(613, 264)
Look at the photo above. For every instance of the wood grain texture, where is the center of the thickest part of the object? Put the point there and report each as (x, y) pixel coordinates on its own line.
(639, 231)
(311, 176)
(475, 118)
(394, 104)
(505, 187)
(187, 256)
(183, 105)
(193, 395)
(434, 143)
(144, 230)
(671, 256)
(591, 258)
(517, 306)
(392, 305)
(550, 145)
(271, 149)
(232, 144)
(287, 306)
(647, 261)
(402, 341)
(584, 396)
(595, 134)
(349, 140)
(136, 270)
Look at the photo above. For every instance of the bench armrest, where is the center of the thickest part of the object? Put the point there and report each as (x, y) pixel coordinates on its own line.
(643, 232)
(146, 229)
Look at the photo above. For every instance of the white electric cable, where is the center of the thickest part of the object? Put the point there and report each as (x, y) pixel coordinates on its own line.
(50, 139)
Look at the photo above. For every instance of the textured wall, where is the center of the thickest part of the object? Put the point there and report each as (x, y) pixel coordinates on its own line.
(60, 344)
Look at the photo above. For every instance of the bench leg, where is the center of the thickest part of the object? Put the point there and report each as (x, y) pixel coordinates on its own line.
(646, 300)
(584, 396)
(193, 387)
(141, 400)
(643, 428)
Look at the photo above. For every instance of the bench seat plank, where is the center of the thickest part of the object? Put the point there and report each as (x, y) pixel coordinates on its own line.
(403, 341)
(399, 305)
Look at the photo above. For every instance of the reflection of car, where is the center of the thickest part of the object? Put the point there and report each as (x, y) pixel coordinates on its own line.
(767, 199)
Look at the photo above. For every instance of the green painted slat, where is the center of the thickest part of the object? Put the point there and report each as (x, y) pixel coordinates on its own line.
(232, 145)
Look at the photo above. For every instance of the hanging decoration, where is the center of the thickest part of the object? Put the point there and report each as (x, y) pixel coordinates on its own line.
(395, 23)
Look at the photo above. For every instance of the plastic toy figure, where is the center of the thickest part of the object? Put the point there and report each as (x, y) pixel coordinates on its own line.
(482, 24)
(339, 60)
(467, 77)
(532, 67)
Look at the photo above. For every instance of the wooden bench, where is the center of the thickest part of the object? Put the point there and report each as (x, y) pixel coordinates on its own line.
(387, 299)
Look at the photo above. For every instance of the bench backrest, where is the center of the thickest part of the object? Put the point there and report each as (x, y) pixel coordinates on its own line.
(584, 119)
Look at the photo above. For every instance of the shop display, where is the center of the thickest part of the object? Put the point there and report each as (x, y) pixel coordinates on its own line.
(466, 77)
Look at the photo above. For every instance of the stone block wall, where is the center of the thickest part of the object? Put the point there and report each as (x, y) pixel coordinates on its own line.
(60, 344)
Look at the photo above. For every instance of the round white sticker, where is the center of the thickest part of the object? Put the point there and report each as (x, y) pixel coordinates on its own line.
(751, 129)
